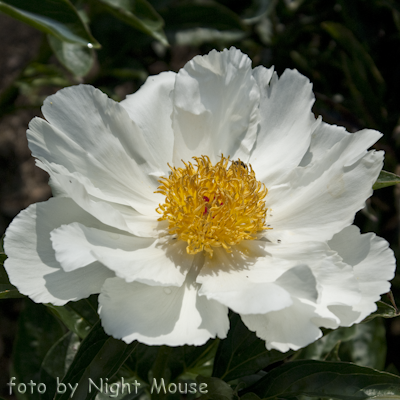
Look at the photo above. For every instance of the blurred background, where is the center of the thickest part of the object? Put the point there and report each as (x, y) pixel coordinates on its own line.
(349, 49)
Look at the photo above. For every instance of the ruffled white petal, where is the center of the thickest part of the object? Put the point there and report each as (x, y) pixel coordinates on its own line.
(31, 264)
(226, 278)
(352, 145)
(162, 262)
(115, 215)
(154, 315)
(260, 277)
(315, 205)
(215, 102)
(286, 124)
(94, 139)
(290, 328)
(335, 280)
(374, 265)
(151, 108)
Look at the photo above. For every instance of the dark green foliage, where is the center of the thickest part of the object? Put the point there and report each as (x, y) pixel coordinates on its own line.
(326, 379)
(243, 353)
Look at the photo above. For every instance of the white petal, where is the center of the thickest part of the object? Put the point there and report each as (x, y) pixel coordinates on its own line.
(290, 328)
(259, 277)
(300, 282)
(286, 124)
(226, 278)
(146, 260)
(31, 264)
(151, 108)
(263, 76)
(336, 283)
(215, 107)
(160, 316)
(303, 268)
(374, 265)
(269, 261)
(308, 209)
(93, 137)
(352, 145)
(115, 215)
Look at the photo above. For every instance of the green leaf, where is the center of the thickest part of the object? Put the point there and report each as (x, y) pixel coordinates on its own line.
(142, 360)
(320, 349)
(59, 358)
(337, 380)
(140, 14)
(8, 291)
(55, 17)
(78, 316)
(188, 15)
(386, 179)
(73, 321)
(243, 353)
(86, 308)
(250, 396)
(38, 330)
(77, 59)
(216, 389)
(98, 359)
(191, 361)
(367, 347)
(56, 363)
(363, 344)
(384, 310)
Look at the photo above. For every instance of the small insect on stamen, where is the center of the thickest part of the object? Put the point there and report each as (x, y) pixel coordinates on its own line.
(238, 162)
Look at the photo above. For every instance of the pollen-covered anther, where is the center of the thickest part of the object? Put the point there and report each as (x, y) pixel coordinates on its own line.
(213, 205)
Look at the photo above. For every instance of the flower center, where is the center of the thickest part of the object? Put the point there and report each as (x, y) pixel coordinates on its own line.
(213, 205)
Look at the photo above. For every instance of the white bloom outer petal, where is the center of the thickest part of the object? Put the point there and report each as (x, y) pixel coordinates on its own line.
(353, 145)
(157, 315)
(31, 264)
(374, 266)
(336, 283)
(344, 153)
(290, 328)
(215, 107)
(324, 206)
(115, 215)
(263, 77)
(323, 139)
(93, 136)
(223, 280)
(153, 261)
(310, 272)
(151, 108)
(286, 124)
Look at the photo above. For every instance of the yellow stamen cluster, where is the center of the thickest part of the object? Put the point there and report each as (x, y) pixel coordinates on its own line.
(213, 205)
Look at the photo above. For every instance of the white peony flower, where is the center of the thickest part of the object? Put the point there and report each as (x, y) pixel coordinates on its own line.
(211, 189)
